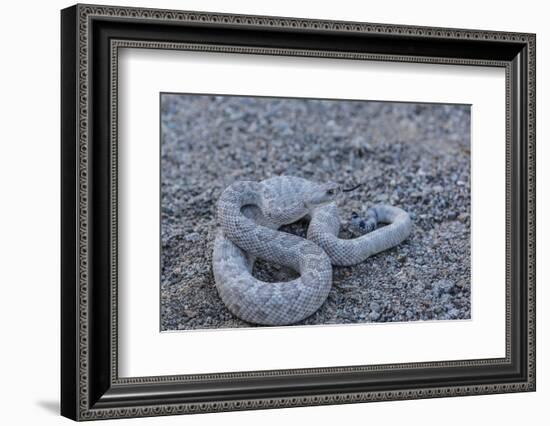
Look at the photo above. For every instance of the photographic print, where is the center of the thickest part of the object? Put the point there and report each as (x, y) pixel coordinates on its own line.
(293, 211)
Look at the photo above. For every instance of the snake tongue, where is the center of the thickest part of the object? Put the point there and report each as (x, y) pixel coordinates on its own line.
(352, 188)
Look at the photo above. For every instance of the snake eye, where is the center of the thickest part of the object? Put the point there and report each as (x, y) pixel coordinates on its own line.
(330, 191)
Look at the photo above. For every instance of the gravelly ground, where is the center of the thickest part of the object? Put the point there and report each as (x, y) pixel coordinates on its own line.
(415, 156)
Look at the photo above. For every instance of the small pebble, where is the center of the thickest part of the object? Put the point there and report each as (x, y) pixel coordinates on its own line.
(193, 237)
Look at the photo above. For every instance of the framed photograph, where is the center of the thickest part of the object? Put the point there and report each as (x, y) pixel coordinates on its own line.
(263, 212)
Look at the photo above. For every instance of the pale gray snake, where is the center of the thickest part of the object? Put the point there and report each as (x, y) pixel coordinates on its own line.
(250, 213)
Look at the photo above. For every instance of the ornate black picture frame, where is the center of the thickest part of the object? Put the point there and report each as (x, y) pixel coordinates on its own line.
(90, 38)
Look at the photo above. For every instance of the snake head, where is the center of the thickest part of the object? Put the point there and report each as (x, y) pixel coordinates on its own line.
(322, 194)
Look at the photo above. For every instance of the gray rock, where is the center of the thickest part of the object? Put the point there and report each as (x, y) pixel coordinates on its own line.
(453, 313)
(374, 316)
(442, 287)
(374, 306)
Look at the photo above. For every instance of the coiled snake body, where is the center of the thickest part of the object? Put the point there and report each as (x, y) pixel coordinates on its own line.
(250, 213)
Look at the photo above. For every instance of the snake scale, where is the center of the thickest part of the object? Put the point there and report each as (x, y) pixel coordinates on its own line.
(250, 214)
